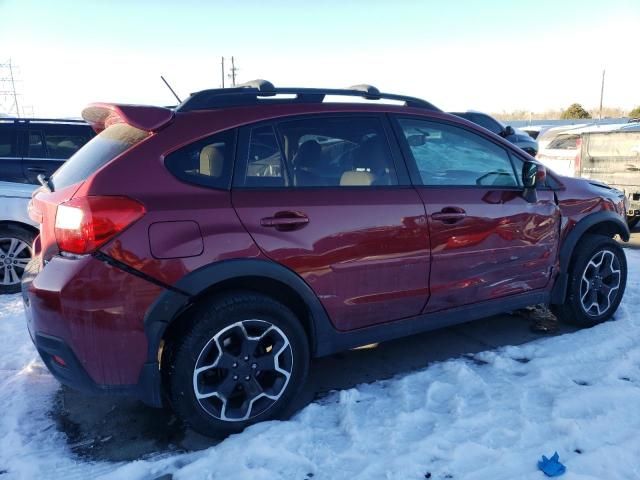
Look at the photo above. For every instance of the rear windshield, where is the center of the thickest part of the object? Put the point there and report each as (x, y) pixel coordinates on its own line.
(100, 150)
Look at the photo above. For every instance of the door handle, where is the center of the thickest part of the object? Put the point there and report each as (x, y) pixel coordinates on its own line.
(449, 215)
(285, 221)
(36, 170)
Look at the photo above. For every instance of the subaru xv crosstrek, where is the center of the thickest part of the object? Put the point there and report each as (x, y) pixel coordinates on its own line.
(200, 256)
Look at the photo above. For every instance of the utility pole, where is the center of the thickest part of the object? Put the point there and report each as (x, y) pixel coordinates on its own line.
(232, 75)
(601, 94)
(222, 70)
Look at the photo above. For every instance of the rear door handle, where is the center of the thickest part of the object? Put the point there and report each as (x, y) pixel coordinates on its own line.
(286, 221)
(36, 170)
(449, 215)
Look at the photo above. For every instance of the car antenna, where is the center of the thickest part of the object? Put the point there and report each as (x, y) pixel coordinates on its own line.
(172, 91)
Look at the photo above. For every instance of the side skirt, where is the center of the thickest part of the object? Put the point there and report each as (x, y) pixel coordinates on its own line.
(330, 341)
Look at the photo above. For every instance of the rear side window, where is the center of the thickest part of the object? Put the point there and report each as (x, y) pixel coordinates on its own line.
(337, 151)
(100, 150)
(7, 142)
(35, 147)
(207, 162)
(265, 167)
(564, 142)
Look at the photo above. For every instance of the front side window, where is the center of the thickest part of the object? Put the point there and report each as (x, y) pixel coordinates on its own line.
(337, 152)
(448, 155)
(207, 162)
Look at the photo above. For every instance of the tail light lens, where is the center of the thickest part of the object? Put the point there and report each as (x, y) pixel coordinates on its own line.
(84, 224)
(577, 162)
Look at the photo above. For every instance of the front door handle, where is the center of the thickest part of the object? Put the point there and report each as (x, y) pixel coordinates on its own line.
(449, 215)
(285, 221)
(36, 170)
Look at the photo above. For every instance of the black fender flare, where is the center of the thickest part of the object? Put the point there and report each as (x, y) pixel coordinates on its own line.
(558, 293)
(172, 302)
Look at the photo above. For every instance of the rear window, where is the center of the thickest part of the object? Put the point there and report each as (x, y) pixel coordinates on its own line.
(564, 142)
(207, 162)
(99, 151)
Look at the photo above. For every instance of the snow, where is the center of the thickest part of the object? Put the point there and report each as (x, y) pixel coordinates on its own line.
(490, 416)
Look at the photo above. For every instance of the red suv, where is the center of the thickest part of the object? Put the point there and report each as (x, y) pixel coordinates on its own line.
(203, 255)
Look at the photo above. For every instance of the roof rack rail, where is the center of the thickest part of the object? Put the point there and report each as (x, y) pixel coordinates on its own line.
(27, 120)
(263, 91)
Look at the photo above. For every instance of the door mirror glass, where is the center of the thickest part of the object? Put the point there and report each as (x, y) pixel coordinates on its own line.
(417, 140)
(530, 174)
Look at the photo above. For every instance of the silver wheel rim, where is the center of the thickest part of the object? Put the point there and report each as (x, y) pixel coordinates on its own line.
(600, 283)
(243, 370)
(15, 254)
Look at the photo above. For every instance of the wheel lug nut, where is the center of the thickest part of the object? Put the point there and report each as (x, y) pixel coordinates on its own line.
(254, 365)
(235, 365)
(235, 377)
(247, 378)
(246, 357)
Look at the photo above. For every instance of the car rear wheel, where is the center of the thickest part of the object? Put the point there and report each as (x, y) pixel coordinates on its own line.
(597, 280)
(15, 253)
(243, 359)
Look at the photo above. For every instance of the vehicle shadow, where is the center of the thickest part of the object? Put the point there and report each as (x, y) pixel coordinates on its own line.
(122, 429)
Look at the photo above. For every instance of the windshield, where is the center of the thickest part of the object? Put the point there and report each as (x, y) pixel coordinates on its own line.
(100, 150)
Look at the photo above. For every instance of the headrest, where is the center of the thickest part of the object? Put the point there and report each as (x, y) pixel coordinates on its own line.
(357, 179)
(211, 161)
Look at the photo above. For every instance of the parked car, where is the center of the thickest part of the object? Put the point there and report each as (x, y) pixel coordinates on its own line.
(518, 138)
(605, 153)
(17, 232)
(29, 147)
(272, 227)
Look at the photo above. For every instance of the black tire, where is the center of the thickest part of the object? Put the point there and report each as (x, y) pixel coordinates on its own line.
(596, 283)
(12, 267)
(632, 222)
(221, 320)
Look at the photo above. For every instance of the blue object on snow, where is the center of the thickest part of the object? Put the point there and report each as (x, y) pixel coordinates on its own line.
(552, 467)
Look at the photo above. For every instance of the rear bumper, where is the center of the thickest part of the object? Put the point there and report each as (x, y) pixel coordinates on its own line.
(86, 320)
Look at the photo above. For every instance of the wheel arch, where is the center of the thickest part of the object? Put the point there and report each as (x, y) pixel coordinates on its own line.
(605, 223)
(15, 223)
(165, 316)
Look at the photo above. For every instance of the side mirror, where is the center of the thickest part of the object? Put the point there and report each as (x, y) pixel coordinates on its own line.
(508, 131)
(530, 174)
(417, 140)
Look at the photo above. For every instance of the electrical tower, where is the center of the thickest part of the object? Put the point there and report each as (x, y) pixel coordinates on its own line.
(9, 103)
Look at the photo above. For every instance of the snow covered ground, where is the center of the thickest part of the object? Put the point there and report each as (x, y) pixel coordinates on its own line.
(487, 417)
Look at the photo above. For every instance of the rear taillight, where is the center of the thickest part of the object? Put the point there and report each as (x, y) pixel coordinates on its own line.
(84, 224)
(577, 162)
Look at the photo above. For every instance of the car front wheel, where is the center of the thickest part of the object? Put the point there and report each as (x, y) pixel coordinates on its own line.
(597, 280)
(242, 360)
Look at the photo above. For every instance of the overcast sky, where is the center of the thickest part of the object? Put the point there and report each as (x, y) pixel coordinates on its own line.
(484, 55)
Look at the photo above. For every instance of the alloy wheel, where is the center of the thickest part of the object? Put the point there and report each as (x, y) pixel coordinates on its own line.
(600, 283)
(243, 370)
(15, 254)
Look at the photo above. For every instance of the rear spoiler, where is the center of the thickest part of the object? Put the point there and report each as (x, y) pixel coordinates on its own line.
(144, 117)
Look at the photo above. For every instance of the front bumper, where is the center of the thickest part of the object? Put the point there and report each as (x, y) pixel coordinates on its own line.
(85, 318)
